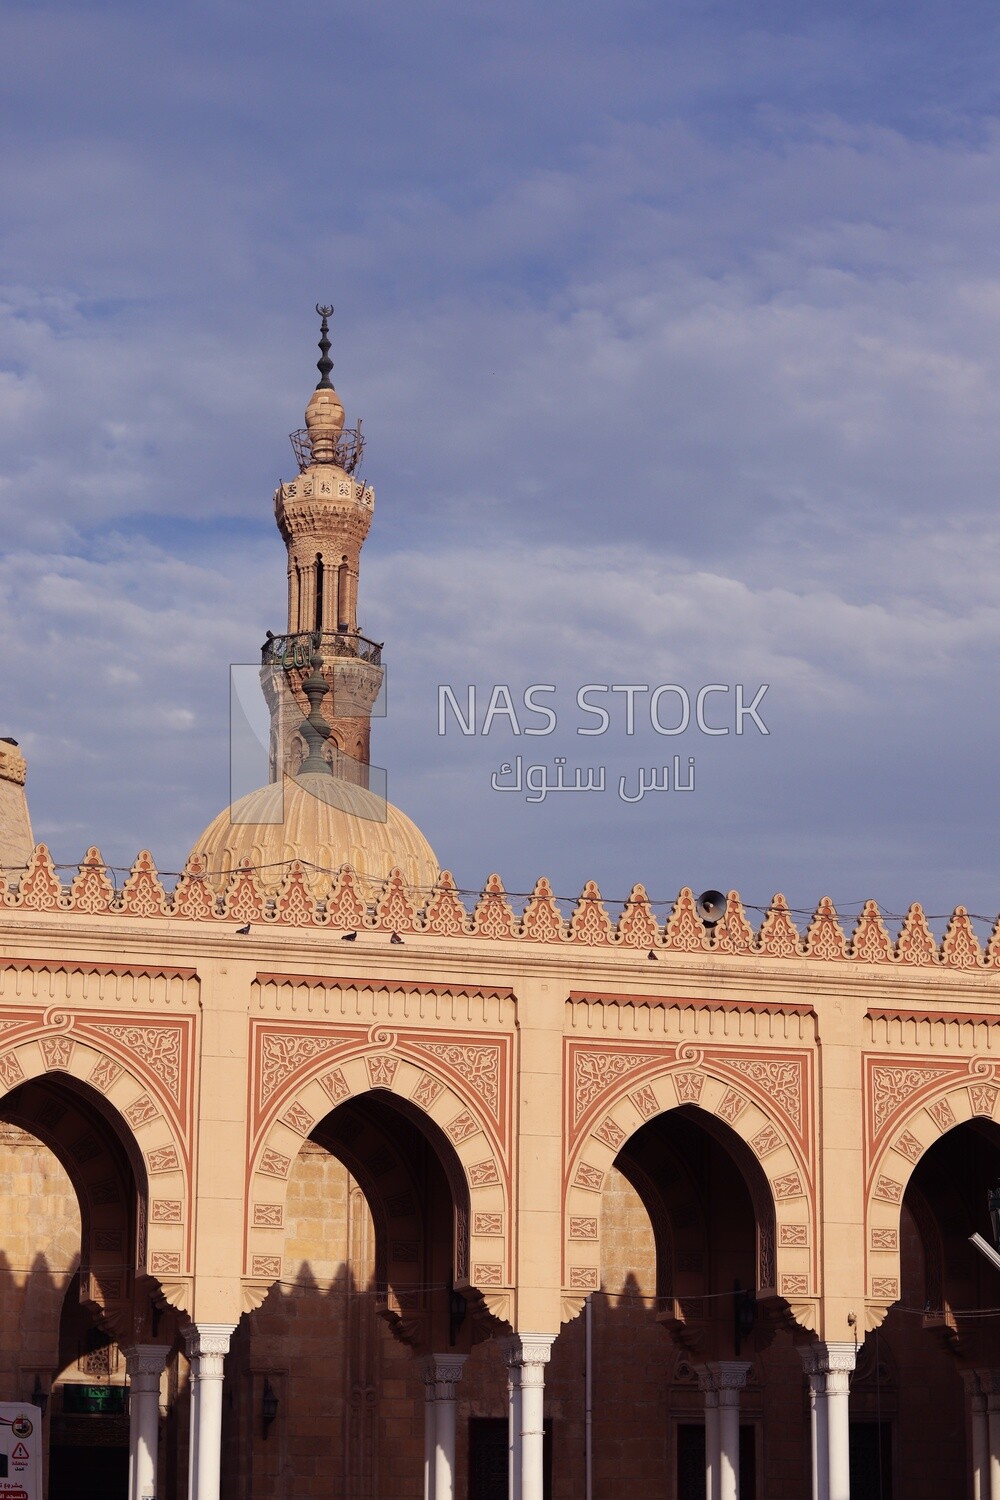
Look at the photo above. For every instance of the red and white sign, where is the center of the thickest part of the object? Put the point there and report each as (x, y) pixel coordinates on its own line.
(20, 1451)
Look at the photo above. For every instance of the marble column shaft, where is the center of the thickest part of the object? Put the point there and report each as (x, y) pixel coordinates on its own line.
(207, 1345)
(527, 1354)
(144, 1364)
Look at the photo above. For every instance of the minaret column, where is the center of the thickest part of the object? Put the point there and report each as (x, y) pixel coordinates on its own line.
(307, 600)
(349, 579)
(293, 591)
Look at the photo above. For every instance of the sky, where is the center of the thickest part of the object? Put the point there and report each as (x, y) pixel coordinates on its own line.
(674, 328)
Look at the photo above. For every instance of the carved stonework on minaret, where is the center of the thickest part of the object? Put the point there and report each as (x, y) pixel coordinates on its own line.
(323, 517)
(16, 842)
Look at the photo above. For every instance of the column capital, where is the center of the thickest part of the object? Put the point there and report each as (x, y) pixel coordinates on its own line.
(207, 1345)
(207, 1338)
(144, 1364)
(826, 1358)
(838, 1355)
(529, 1349)
(145, 1359)
(443, 1372)
(838, 1362)
(731, 1377)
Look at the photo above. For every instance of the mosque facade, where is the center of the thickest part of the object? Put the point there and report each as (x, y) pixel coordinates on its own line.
(321, 1178)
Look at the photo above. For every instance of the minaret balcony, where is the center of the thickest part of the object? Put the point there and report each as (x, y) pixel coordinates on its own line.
(343, 450)
(297, 650)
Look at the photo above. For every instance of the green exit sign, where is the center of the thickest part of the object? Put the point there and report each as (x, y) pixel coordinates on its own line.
(94, 1400)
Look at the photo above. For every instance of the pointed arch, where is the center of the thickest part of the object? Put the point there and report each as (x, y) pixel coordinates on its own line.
(405, 1176)
(760, 1103)
(135, 1077)
(455, 1087)
(910, 1104)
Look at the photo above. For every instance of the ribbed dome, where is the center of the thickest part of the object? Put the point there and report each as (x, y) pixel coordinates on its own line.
(323, 821)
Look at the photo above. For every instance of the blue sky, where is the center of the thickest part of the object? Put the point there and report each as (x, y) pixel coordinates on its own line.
(674, 329)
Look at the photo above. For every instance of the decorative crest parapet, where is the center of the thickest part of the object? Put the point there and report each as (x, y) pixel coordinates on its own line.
(344, 900)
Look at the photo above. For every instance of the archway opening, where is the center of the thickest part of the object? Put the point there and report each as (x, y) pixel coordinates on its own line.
(376, 1231)
(686, 1223)
(709, 1208)
(72, 1203)
(944, 1323)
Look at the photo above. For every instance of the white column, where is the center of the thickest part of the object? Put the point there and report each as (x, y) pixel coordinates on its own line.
(529, 1353)
(731, 1377)
(835, 1362)
(975, 1389)
(817, 1423)
(707, 1385)
(430, 1427)
(207, 1345)
(990, 1381)
(447, 1372)
(144, 1364)
(513, 1426)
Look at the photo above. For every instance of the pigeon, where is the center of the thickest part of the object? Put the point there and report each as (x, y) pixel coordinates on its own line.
(348, 937)
(654, 956)
(395, 938)
(243, 930)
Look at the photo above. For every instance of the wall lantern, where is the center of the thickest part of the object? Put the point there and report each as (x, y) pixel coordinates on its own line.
(744, 1315)
(993, 1202)
(457, 1309)
(268, 1405)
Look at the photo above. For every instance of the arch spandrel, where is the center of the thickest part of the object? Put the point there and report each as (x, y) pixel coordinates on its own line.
(459, 1083)
(137, 1074)
(765, 1098)
(910, 1103)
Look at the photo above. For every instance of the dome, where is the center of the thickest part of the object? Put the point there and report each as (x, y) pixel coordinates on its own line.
(323, 821)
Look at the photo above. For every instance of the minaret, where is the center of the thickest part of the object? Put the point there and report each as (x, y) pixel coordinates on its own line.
(16, 842)
(323, 517)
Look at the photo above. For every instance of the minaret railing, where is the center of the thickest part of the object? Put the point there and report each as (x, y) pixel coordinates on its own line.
(297, 650)
(346, 448)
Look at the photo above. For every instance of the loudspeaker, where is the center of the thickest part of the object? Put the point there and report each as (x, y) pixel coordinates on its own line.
(711, 907)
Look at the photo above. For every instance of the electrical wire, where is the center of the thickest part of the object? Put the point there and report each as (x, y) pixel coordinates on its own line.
(668, 903)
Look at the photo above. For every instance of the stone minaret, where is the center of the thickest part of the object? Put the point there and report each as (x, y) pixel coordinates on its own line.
(323, 516)
(16, 842)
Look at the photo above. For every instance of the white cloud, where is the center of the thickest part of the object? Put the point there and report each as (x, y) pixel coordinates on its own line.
(675, 335)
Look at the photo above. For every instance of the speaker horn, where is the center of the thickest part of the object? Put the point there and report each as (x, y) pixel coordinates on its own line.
(711, 907)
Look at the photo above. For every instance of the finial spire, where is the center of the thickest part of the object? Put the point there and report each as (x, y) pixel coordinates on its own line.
(324, 364)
